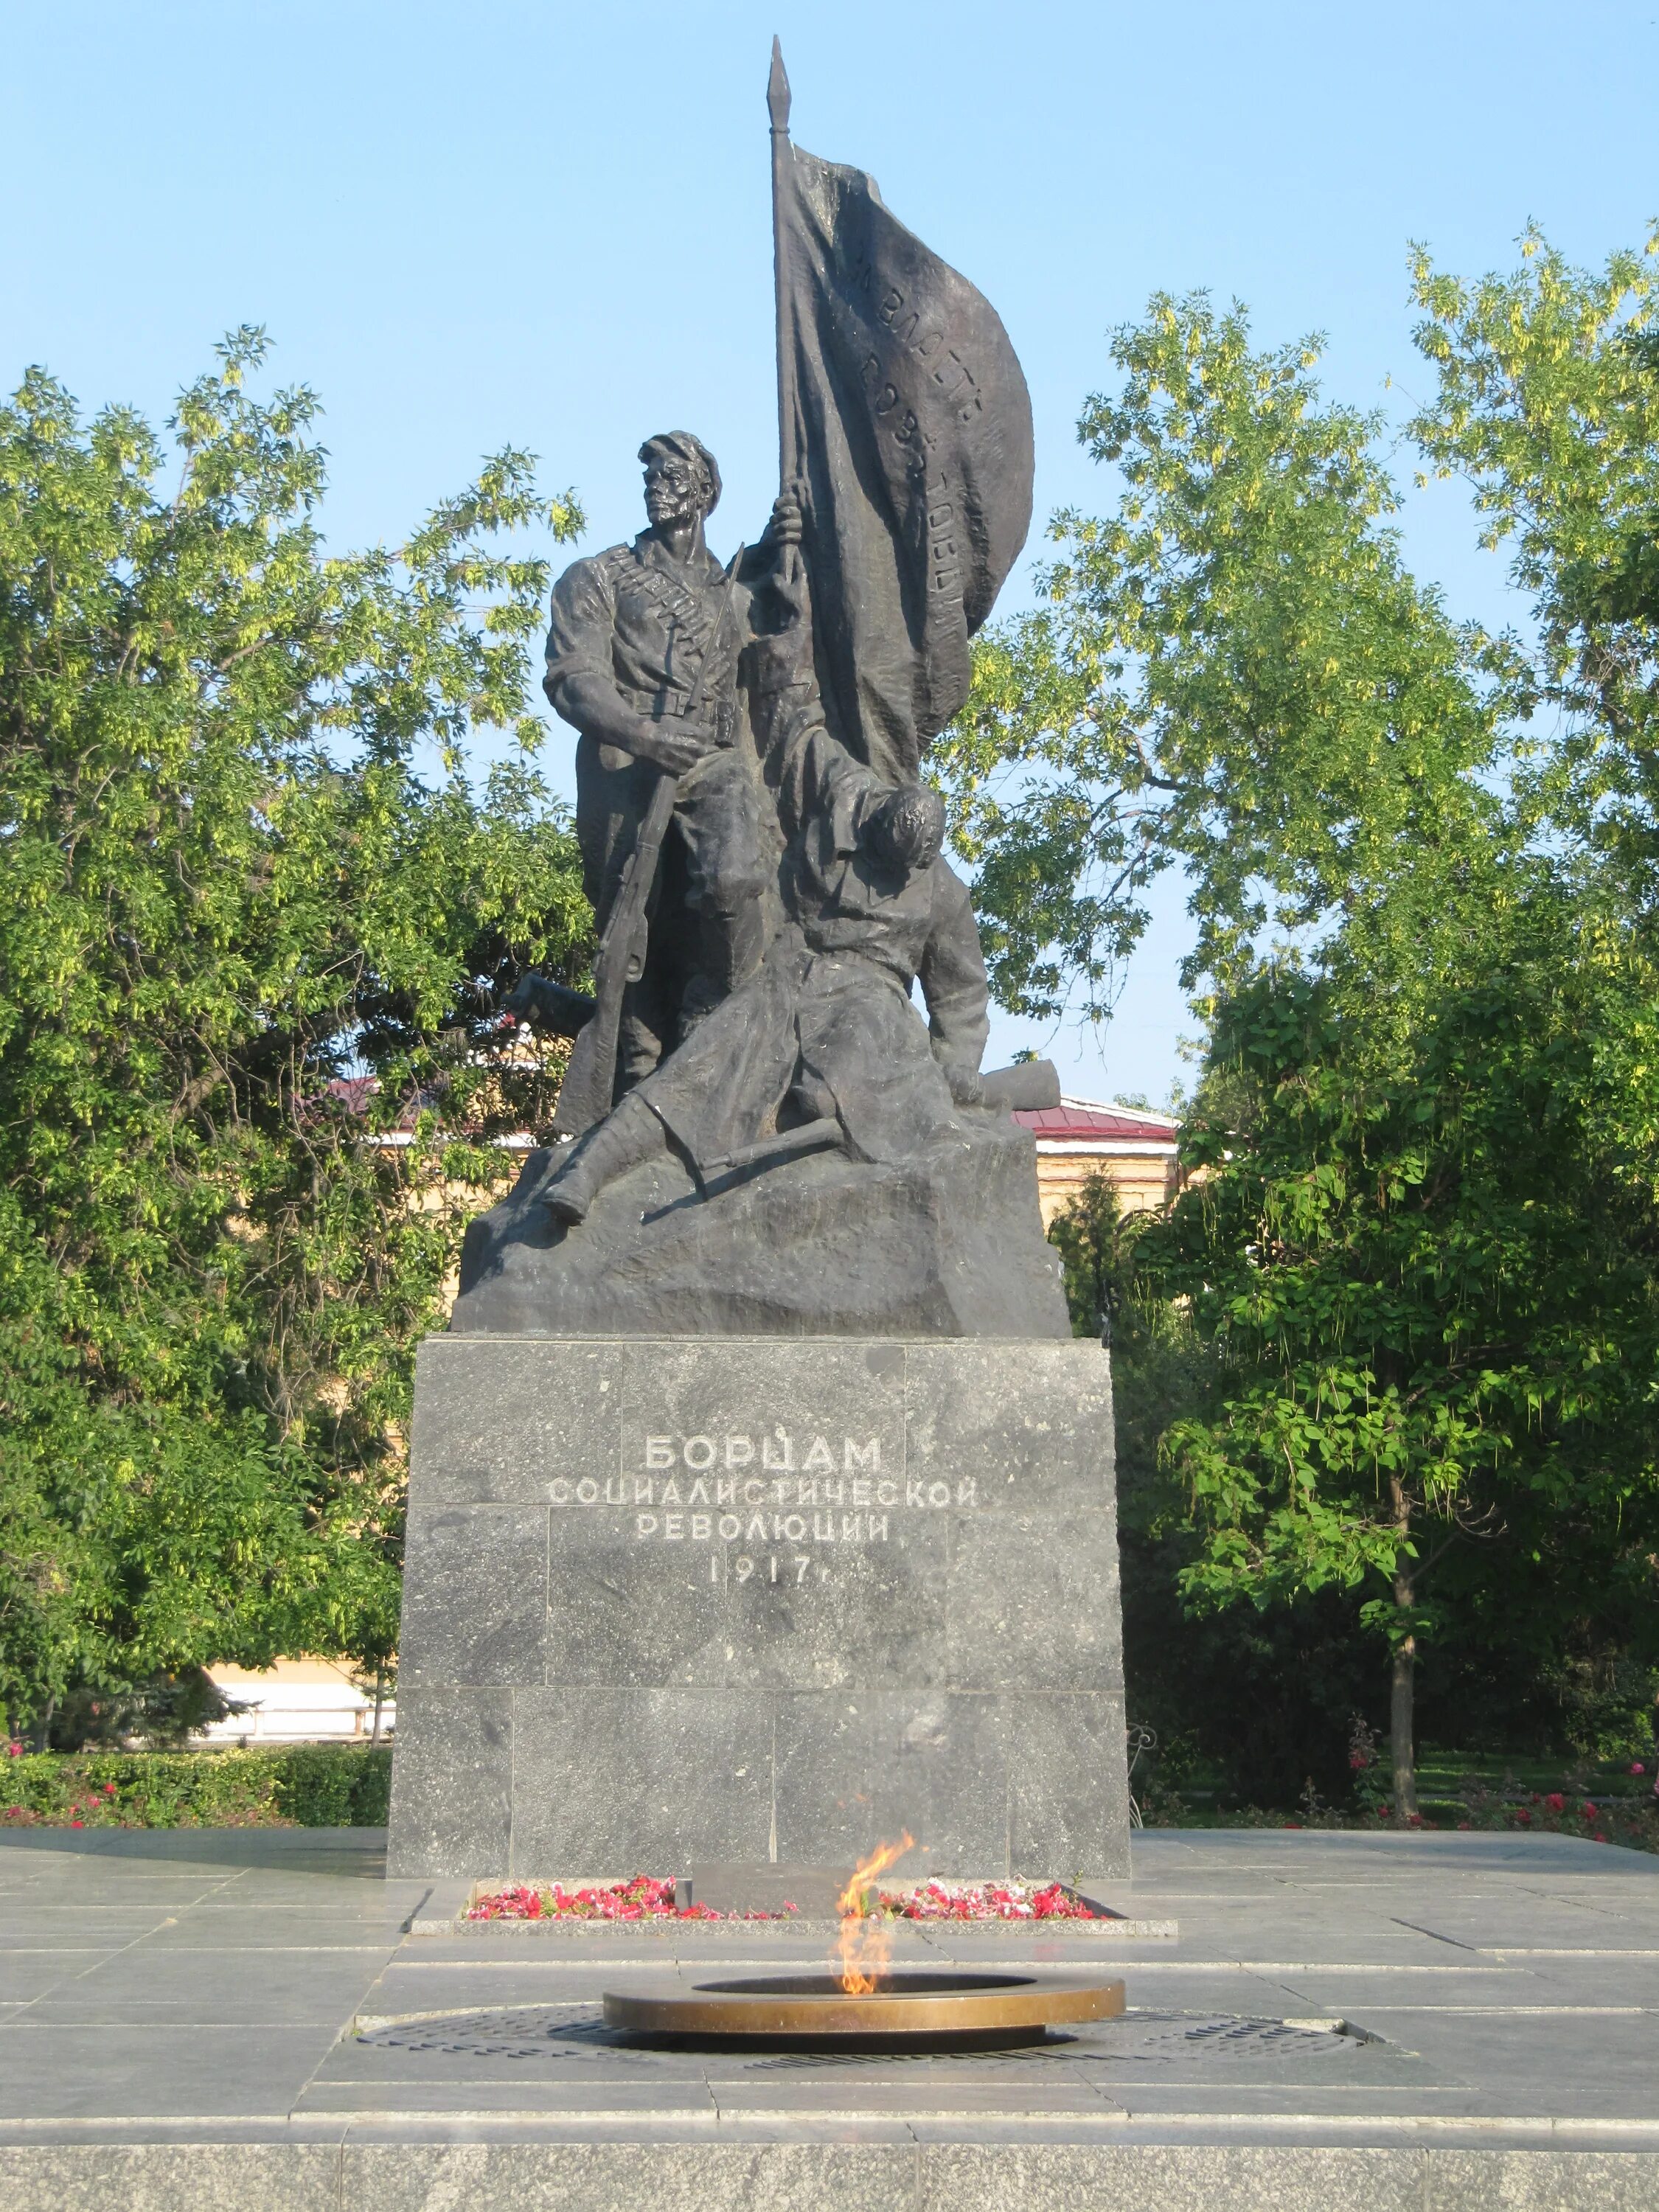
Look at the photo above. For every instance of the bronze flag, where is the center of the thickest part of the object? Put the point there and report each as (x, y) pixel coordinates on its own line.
(904, 413)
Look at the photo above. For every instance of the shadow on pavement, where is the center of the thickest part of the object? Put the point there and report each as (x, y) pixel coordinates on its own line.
(341, 1851)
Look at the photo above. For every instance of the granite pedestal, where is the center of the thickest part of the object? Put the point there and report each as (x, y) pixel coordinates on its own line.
(752, 1599)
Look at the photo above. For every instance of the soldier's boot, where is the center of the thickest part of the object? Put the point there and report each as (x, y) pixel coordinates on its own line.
(628, 1135)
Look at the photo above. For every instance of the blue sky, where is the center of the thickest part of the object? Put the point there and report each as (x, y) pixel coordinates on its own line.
(548, 224)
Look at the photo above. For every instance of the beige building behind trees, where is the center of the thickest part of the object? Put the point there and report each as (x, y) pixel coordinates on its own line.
(1132, 1146)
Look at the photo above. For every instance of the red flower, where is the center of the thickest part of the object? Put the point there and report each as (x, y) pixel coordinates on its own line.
(1636, 1767)
(77, 1824)
(14, 1749)
(931, 1900)
(1556, 1801)
(1598, 1837)
(643, 1897)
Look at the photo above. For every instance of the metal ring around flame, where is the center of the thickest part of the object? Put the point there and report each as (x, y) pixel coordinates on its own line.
(921, 2007)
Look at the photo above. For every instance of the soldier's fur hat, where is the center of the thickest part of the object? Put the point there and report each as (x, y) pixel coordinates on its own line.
(686, 448)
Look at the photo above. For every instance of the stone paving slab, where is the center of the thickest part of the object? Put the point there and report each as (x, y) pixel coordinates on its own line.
(874, 2175)
(182, 2018)
(120, 2072)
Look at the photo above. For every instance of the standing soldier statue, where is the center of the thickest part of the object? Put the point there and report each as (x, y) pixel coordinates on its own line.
(642, 658)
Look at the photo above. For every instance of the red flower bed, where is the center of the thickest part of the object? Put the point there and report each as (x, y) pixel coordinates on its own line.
(644, 1897)
(1018, 1900)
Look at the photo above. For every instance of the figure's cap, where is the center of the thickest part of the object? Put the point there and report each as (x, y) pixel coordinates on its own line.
(686, 448)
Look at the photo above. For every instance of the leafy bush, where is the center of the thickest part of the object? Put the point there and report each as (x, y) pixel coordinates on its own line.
(263, 900)
(308, 1785)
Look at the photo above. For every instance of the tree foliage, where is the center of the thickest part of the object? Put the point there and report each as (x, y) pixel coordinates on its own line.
(254, 919)
(1419, 1249)
(1425, 1260)
(1546, 406)
(1234, 674)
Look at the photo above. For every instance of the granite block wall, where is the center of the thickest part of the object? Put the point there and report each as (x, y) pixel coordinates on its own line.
(669, 1601)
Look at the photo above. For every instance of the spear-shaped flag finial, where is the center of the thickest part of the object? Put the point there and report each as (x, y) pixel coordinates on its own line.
(777, 92)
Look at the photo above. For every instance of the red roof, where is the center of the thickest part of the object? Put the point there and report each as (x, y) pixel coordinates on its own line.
(355, 1092)
(1080, 1121)
(352, 1091)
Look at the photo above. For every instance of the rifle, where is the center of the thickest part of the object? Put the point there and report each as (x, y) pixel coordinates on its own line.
(590, 1081)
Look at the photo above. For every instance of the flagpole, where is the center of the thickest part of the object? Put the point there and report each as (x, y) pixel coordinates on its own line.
(777, 107)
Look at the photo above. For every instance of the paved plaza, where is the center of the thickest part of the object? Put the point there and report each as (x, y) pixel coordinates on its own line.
(198, 2018)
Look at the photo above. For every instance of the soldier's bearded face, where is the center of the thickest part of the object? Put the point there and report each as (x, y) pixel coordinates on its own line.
(674, 491)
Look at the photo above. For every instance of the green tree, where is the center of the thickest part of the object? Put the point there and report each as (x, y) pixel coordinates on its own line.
(1095, 1239)
(254, 921)
(1547, 405)
(1234, 674)
(1426, 1269)
(1419, 1256)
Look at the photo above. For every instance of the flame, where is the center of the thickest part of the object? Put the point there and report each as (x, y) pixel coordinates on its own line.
(866, 1941)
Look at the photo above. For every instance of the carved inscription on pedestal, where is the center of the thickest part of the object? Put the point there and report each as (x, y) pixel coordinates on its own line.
(772, 1502)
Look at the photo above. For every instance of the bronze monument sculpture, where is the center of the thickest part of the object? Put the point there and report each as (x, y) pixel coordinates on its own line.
(765, 861)
(761, 1501)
